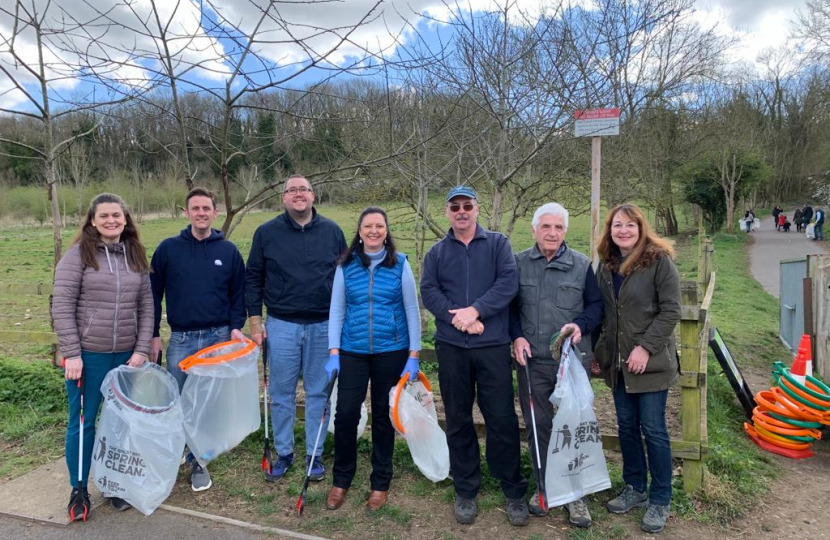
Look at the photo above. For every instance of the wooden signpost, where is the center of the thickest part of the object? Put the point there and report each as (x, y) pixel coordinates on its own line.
(596, 123)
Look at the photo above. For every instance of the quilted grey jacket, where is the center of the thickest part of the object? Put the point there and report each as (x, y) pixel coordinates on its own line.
(108, 310)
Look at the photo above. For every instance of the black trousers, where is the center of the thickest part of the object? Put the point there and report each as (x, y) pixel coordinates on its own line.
(356, 370)
(463, 373)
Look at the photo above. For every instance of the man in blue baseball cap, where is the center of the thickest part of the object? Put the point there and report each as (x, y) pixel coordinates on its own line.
(468, 280)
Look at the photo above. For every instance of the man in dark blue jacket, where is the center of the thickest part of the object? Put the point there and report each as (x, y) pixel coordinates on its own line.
(467, 282)
(291, 268)
(203, 277)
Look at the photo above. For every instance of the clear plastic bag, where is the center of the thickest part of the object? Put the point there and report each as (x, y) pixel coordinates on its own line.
(139, 439)
(412, 411)
(575, 465)
(810, 231)
(364, 414)
(220, 399)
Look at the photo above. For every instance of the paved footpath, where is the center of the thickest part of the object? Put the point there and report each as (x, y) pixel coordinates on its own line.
(770, 246)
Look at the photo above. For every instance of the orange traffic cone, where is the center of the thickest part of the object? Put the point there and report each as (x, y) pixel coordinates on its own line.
(803, 363)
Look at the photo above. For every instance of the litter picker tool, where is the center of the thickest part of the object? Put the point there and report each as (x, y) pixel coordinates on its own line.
(301, 500)
(80, 507)
(267, 456)
(540, 483)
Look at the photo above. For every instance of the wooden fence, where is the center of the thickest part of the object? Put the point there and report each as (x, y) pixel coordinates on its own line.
(696, 299)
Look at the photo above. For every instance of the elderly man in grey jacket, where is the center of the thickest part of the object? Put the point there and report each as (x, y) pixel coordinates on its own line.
(557, 291)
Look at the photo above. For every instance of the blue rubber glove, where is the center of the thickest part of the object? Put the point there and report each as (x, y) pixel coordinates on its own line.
(412, 368)
(332, 364)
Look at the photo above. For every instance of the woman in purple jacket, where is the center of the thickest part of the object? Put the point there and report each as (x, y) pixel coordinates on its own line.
(102, 310)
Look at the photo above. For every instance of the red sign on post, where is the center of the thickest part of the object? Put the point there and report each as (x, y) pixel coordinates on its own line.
(596, 122)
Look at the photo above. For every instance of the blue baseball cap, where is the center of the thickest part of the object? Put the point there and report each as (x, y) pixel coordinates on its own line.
(461, 191)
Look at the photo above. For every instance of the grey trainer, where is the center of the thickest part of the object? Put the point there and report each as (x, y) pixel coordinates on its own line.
(626, 500)
(655, 519)
(517, 513)
(199, 477)
(534, 508)
(465, 510)
(578, 514)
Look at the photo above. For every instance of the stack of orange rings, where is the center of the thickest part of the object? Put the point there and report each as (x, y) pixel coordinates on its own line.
(788, 416)
(398, 389)
(208, 356)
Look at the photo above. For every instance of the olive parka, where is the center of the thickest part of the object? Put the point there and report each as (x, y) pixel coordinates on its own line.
(646, 314)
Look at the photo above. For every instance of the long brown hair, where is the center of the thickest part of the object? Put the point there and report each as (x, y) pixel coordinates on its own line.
(355, 249)
(88, 238)
(648, 249)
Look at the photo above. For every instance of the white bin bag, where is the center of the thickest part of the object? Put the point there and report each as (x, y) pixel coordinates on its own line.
(412, 411)
(364, 414)
(575, 465)
(139, 439)
(220, 399)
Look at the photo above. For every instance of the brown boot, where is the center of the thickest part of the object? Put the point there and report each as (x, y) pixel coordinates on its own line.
(335, 498)
(376, 500)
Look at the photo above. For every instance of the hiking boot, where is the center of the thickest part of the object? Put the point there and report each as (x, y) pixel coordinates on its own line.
(534, 508)
(578, 514)
(280, 467)
(120, 504)
(199, 477)
(79, 506)
(655, 519)
(465, 510)
(626, 500)
(517, 513)
(318, 471)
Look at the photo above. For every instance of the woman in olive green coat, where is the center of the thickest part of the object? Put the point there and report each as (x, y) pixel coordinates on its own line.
(637, 353)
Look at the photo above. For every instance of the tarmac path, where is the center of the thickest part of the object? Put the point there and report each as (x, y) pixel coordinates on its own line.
(770, 246)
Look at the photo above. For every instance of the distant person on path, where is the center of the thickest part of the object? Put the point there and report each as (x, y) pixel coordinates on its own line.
(468, 280)
(797, 216)
(102, 310)
(782, 219)
(203, 277)
(557, 290)
(374, 335)
(291, 268)
(638, 356)
(807, 215)
(819, 230)
(775, 212)
(749, 219)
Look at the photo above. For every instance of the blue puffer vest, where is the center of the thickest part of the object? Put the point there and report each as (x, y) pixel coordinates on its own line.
(375, 317)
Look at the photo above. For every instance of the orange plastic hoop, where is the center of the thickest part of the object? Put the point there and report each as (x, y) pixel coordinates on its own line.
(779, 441)
(795, 410)
(802, 394)
(778, 427)
(198, 359)
(398, 390)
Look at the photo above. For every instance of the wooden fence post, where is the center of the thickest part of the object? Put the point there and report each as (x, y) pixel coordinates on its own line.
(691, 383)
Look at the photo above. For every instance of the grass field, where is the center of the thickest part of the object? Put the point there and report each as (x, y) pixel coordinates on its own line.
(32, 413)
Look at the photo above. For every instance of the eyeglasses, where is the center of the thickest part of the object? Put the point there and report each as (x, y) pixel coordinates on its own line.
(295, 190)
(467, 206)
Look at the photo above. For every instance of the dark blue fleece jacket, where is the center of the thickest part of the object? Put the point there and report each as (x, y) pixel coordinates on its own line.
(204, 281)
(481, 274)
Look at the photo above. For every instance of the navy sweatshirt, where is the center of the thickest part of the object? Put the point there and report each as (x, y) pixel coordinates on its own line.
(204, 281)
(481, 274)
(291, 268)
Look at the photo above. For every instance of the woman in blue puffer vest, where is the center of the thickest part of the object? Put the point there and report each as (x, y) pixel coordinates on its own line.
(374, 334)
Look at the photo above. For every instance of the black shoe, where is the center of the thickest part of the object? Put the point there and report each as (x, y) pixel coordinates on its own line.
(517, 513)
(465, 510)
(120, 504)
(79, 506)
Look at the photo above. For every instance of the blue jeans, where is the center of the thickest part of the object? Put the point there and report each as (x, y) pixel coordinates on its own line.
(819, 230)
(644, 415)
(184, 344)
(96, 367)
(294, 349)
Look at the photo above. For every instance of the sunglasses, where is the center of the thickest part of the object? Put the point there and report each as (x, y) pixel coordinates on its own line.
(467, 206)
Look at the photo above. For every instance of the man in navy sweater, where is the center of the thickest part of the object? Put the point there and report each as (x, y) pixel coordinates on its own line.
(291, 268)
(203, 277)
(468, 280)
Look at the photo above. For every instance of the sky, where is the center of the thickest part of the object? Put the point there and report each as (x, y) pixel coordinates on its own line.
(758, 23)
